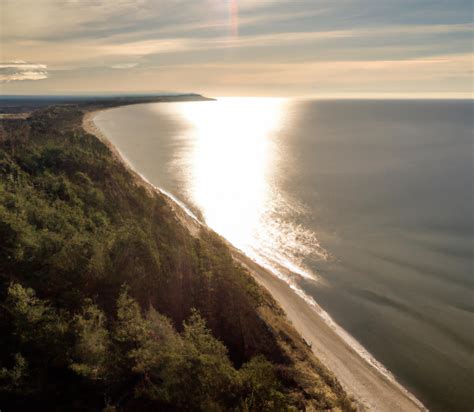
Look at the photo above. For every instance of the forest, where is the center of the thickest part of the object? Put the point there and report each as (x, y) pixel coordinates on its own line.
(108, 302)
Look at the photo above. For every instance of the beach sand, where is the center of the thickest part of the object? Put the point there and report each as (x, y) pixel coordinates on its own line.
(372, 390)
(370, 387)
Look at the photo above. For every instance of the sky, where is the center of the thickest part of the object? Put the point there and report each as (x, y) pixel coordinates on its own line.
(344, 48)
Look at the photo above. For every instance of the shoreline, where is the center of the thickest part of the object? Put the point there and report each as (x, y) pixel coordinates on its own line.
(372, 387)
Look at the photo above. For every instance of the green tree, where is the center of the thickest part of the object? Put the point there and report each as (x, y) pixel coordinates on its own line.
(13, 380)
(38, 325)
(91, 351)
(201, 376)
(260, 387)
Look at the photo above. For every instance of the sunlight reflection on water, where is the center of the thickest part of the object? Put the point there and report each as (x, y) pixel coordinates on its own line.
(229, 158)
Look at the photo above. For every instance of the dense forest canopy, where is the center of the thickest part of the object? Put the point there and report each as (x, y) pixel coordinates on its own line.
(108, 302)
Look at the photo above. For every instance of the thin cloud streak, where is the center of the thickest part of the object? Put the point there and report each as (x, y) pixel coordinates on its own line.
(123, 66)
(57, 53)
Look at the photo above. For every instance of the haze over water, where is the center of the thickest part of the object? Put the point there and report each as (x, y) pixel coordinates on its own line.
(366, 206)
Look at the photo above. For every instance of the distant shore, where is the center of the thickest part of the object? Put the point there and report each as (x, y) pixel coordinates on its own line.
(372, 390)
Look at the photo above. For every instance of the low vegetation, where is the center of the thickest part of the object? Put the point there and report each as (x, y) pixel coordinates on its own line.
(107, 302)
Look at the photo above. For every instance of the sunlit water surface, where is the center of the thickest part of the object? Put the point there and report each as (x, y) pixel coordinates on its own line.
(230, 175)
(364, 206)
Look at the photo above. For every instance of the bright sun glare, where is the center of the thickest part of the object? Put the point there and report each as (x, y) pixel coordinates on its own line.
(228, 159)
(231, 157)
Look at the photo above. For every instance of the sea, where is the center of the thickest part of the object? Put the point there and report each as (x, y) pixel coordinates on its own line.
(363, 206)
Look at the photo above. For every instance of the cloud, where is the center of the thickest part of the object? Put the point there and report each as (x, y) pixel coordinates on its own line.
(145, 47)
(119, 46)
(21, 70)
(124, 65)
(284, 45)
(323, 78)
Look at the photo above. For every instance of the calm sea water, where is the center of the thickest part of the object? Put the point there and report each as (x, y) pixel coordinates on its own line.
(366, 206)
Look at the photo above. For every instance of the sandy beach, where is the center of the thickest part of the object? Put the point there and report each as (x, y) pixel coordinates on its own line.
(372, 390)
(370, 387)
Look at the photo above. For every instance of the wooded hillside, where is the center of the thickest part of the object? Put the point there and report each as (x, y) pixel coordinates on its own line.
(108, 302)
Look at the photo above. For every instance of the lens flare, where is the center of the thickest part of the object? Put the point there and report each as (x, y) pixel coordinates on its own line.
(234, 18)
